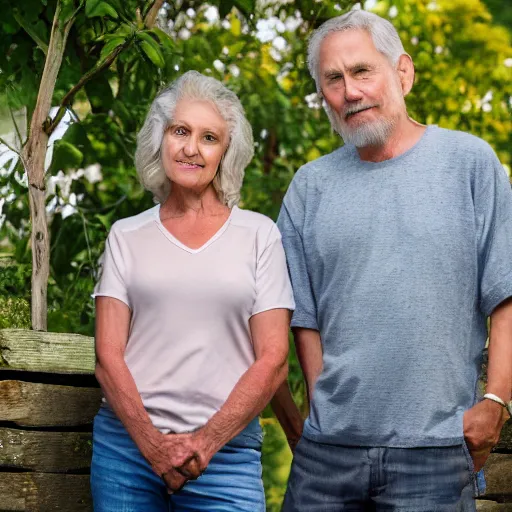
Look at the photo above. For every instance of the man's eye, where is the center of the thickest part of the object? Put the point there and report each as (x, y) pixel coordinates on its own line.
(361, 71)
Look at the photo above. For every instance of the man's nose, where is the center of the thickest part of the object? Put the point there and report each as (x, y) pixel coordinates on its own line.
(352, 91)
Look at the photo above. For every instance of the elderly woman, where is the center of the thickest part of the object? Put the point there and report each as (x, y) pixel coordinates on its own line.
(192, 317)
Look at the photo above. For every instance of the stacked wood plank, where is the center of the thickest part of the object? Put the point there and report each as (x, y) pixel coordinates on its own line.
(48, 398)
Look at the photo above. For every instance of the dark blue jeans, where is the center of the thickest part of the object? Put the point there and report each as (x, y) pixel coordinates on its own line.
(329, 478)
(123, 481)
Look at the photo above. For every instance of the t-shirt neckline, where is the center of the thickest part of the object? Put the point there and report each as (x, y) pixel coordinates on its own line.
(186, 248)
(392, 161)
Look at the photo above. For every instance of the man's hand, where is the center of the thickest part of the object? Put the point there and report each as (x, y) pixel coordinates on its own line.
(482, 427)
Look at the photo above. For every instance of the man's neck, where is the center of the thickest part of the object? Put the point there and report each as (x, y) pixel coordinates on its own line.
(404, 137)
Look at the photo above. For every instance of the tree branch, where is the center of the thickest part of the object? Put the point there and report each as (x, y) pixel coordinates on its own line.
(8, 146)
(153, 13)
(68, 99)
(18, 133)
(30, 31)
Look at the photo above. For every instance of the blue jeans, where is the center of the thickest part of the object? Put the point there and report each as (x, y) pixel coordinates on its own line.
(330, 478)
(123, 481)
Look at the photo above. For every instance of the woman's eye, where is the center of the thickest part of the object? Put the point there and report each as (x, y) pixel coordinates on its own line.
(210, 138)
(179, 131)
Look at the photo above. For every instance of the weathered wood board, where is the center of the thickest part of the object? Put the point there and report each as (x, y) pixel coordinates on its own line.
(22, 349)
(498, 475)
(38, 492)
(505, 442)
(32, 404)
(51, 452)
(492, 506)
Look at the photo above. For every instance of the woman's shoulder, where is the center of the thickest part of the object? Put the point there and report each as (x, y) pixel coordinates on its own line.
(135, 221)
(252, 219)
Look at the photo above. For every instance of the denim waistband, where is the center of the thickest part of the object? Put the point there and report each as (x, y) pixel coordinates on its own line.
(250, 437)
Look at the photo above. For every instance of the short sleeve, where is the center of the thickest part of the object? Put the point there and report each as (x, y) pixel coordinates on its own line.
(273, 287)
(493, 206)
(113, 281)
(291, 224)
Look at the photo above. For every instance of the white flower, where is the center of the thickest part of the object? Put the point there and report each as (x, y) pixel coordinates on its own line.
(219, 66)
(439, 49)
(234, 70)
(184, 34)
(279, 43)
(191, 13)
(393, 11)
(226, 24)
(93, 173)
(67, 210)
(508, 62)
(414, 40)
(211, 14)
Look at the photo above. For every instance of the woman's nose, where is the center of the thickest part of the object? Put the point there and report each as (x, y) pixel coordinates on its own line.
(190, 148)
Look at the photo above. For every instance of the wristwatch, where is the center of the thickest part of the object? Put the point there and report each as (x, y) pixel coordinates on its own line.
(498, 400)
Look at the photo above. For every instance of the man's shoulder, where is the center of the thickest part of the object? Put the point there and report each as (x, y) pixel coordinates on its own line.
(463, 144)
(327, 162)
(324, 165)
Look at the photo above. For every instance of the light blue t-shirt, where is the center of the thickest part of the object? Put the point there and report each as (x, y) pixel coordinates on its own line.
(398, 264)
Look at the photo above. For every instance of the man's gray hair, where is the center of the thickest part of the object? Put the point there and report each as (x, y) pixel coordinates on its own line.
(383, 33)
(195, 86)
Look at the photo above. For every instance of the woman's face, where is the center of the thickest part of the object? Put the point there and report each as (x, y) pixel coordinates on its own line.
(193, 144)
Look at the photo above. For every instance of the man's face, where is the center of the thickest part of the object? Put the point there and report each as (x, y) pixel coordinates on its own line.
(361, 87)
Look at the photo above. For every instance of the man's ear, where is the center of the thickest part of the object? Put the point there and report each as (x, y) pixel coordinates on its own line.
(405, 69)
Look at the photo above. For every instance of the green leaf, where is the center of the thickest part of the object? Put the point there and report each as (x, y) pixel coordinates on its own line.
(99, 8)
(151, 49)
(67, 10)
(65, 156)
(164, 38)
(154, 55)
(246, 7)
(225, 8)
(110, 47)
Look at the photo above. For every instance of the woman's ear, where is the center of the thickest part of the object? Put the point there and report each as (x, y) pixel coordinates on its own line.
(405, 69)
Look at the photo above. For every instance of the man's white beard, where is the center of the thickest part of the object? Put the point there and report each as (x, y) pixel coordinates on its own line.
(375, 133)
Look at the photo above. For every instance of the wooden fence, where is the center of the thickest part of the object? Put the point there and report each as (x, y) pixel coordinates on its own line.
(48, 398)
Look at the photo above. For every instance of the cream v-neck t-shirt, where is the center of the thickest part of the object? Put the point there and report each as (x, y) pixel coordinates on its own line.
(189, 340)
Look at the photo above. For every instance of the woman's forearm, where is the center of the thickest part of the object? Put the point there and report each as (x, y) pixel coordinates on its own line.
(247, 399)
(119, 388)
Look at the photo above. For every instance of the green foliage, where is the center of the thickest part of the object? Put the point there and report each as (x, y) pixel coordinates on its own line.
(14, 313)
(463, 81)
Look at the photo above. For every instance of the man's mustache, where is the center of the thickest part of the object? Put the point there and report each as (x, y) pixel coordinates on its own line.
(354, 109)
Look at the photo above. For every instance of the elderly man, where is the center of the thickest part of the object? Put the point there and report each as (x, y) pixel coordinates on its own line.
(399, 248)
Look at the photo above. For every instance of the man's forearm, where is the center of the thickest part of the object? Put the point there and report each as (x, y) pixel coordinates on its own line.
(499, 368)
(308, 346)
(287, 413)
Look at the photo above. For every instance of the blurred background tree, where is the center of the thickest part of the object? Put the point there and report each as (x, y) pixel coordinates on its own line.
(461, 48)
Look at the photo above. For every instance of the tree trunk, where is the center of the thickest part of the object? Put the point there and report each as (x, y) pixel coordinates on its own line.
(33, 157)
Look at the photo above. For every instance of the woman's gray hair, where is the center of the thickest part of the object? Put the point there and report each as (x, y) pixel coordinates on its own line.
(383, 33)
(193, 85)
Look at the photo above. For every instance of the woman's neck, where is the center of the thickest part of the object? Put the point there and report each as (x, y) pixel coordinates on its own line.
(183, 201)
